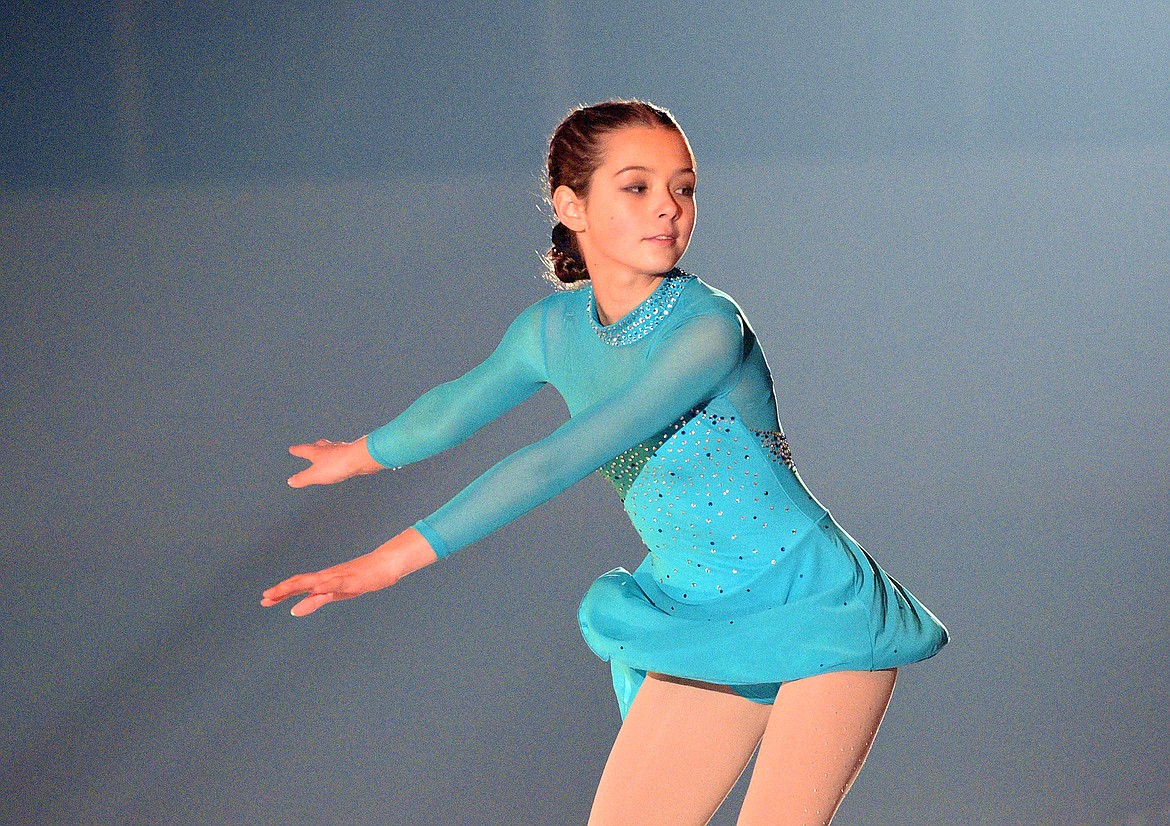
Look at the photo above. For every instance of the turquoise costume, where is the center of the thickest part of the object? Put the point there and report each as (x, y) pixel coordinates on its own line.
(749, 582)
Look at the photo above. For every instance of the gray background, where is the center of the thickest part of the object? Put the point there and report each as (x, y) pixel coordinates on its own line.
(225, 231)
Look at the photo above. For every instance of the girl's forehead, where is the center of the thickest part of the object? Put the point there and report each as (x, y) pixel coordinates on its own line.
(651, 147)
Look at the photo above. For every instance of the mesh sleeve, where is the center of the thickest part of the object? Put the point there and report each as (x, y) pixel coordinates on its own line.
(687, 368)
(446, 415)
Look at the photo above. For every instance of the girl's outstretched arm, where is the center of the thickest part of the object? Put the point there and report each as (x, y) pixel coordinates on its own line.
(439, 419)
(687, 368)
(446, 415)
(381, 568)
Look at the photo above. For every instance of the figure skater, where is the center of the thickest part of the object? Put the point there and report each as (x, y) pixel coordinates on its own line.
(755, 624)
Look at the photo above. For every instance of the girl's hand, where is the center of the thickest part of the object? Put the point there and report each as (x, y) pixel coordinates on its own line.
(332, 462)
(378, 569)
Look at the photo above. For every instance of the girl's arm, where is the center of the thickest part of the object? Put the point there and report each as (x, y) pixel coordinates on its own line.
(442, 417)
(446, 415)
(439, 419)
(688, 368)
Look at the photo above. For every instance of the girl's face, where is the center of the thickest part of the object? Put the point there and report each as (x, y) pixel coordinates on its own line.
(637, 216)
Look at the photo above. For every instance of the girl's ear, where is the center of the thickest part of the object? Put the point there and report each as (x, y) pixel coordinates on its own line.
(569, 208)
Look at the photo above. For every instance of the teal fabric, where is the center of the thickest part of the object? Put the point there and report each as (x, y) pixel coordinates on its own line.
(749, 581)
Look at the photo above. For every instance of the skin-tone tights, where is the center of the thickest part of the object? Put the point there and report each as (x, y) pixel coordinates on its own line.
(684, 744)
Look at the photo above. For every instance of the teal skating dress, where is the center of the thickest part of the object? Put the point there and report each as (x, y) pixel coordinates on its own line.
(749, 582)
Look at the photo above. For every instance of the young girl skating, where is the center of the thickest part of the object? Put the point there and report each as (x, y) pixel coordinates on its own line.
(755, 621)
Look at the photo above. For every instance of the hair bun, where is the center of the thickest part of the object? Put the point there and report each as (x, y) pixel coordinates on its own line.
(562, 239)
(565, 257)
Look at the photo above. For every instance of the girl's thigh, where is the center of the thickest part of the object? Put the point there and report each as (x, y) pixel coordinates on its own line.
(817, 737)
(680, 750)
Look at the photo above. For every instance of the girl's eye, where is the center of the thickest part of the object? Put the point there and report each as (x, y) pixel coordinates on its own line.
(635, 188)
(686, 191)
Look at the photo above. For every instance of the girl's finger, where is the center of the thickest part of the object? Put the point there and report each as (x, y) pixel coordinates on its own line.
(300, 480)
(310, 604)
(302, 451)
(309, 448)
(299, 584)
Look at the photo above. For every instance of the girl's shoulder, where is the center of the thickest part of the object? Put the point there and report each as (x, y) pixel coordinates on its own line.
(560, 300)
(700, 298)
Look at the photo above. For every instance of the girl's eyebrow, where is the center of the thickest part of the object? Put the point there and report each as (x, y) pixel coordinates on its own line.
(648, 169)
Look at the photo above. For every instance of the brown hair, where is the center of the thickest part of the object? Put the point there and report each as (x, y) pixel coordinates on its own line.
(574, 154)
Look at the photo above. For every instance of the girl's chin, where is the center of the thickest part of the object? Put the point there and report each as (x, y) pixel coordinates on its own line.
(650, 265)
(665, 257)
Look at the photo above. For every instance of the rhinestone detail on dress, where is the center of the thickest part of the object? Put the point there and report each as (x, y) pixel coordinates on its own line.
(776, 444)
(637, 323)
(773, 441)
(624, 468)
(710, 504)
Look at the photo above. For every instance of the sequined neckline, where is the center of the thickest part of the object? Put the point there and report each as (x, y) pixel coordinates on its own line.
(641, 320)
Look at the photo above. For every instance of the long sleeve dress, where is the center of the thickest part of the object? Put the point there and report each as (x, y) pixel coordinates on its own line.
(749, 581)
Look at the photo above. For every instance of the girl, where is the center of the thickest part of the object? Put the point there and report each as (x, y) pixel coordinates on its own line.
(755, 621)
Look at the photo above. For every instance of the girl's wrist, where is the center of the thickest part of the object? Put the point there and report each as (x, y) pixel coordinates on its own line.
(406, 553)
(363, 463)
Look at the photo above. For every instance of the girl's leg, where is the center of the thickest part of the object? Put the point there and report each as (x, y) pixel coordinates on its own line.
(817, 737)
(679, 752)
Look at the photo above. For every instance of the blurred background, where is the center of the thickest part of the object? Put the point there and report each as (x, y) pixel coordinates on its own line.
(227, 228)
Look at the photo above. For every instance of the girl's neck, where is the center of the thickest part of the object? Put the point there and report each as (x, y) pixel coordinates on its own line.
(616, 295)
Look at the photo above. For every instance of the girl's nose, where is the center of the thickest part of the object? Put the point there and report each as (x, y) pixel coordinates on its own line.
(668, 206)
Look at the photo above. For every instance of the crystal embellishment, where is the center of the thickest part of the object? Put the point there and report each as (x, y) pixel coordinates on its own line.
(638, 323)
(776, 444)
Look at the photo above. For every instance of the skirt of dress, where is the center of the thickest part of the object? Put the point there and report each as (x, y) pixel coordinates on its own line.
(796, 619)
